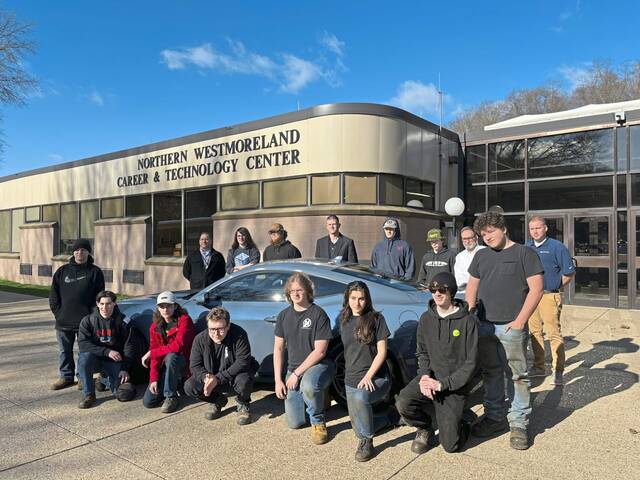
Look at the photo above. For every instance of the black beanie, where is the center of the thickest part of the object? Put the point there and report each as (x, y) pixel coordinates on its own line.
(82, 243)
(445, 278)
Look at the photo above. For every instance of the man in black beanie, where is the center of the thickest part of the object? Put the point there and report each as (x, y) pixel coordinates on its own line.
(72, 297)
(447, 340)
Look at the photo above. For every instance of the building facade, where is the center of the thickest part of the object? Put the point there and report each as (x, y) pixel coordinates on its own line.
(144, 208)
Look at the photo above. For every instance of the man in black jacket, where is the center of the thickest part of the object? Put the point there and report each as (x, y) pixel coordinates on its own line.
(72, 297)
(280, 248)
(336, 246)
(221, 359)
(439, 259)
(447, 340)
(205, 265)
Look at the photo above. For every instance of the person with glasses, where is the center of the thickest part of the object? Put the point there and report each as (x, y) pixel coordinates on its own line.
(304, 330)
(447, 339)
(243, 252)
(170, 338)
(463, 259)
(364, 334)
(221, 361)
(203, 266)
(280, 248)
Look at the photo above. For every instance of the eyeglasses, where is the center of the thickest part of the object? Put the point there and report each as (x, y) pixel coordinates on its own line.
(467, 239)
(219, 331)
(442, 289)
(298, 291)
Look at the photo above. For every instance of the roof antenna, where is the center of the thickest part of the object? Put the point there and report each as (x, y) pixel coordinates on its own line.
(298, 101)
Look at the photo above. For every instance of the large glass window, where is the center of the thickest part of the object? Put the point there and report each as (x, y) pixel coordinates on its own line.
(423, 192)
(622, 190)
(506, 161)
(571, 193)
(240, 197)
(634, 150)
(621, 146)
(475, 199)
(515, 227)
(17, 219)
(32, 214)
(88, 215)
(167, 215)
(68, 226)
(291, 192)
(360, 188)
(592, 283)
(391, 190)
(325, 189)
(591, 236)
(5, 230)
(112, 207)
(51, 213)
(635, 189)
(475, 166)
(200, 205)
(571, 154)
(510, 196)
(138, 206)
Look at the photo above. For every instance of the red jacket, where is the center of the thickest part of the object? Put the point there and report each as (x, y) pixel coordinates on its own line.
(179, 340)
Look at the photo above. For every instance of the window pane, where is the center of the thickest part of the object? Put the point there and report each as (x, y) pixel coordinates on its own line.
(68, 226)
(474, 199)
(509, 196)
(5, 231)
(634, 141)
(622, 241)
(571, 154)
(635, 189)
(88, 215)
(138, 206)
(391, 190)
(325, 190)
(556, 228)
(592, 283)
(291, 192)
(201, 204)
(113, 207)
(572, 193)
(255, 287)
(475, 168)
(623, 290)
(32, 214)
(515, 228)
(422, 192)
(50, 213)
(240, 197)
(360, 189)
(621, 144)
(591, 236)
(622, 190)
(167, 215)
(17, 217)
(506, 161)
(324, 287)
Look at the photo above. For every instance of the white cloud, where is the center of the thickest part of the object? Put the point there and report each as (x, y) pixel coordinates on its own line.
(419, 98)
(96, 98)
(575, 76)
(331, 42)
(55, 157)
(298, 73)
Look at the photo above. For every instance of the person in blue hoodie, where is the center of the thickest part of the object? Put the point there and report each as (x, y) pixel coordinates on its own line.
(393, 256)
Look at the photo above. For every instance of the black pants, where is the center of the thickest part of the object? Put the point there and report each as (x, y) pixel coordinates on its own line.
(412, 405)
(242, 385)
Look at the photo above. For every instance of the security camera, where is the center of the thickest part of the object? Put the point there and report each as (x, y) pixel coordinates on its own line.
(620, 118)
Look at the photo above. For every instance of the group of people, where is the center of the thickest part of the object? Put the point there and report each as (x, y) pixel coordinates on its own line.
(508, 286)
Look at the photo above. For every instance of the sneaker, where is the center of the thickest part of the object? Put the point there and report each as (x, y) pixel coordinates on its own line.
(420, 444)
(243, 414)
(87, 401)
(487, 427)
(558, 378)
(215, 408)
(537, 372)
(319, 434)
(365, 451)
(101, 387)
(519, 439)
(61, 383)
(170, 405)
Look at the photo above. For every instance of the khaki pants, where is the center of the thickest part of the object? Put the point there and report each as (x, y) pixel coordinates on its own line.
(546, 319)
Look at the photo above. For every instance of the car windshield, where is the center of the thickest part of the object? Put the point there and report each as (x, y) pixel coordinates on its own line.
(366, 273)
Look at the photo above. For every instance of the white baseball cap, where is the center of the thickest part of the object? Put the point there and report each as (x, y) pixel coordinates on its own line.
(166, 297)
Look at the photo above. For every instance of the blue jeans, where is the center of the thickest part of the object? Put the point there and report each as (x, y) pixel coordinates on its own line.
(89, 363)
(310, 392)
(360, 404)
(67, 366)
(169, 380)
(503, 354)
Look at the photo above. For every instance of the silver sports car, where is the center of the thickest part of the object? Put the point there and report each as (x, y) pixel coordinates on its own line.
(255, 296)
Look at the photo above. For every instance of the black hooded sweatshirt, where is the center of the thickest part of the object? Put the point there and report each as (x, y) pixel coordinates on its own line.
(434, 263)
(100, 335)
(281, 251)
(448, 347)
(73, 292)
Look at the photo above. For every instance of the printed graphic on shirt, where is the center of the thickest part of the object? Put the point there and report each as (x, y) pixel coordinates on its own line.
(71, 280)
(306, 323)
(104, 334)
(456, 333)
(242, 259)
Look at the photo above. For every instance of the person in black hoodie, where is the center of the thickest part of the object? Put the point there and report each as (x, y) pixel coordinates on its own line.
(204, 266)
(280, 248)
(447, 340)
(101, 339)
(439, 259)
(72, 297)
(221, 361)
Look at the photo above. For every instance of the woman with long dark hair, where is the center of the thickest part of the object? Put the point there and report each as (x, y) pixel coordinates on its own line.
(364, 335)
(243, 251)
(170, 338)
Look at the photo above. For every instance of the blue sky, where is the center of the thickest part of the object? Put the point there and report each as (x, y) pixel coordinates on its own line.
(115, 75)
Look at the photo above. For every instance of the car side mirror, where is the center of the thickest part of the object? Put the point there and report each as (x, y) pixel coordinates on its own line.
(206, 299)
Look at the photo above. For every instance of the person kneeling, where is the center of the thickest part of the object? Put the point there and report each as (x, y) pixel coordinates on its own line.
(102, 337)
(221, 358)
(447, 340)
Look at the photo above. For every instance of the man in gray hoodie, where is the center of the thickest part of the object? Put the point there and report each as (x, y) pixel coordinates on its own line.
(392, 256)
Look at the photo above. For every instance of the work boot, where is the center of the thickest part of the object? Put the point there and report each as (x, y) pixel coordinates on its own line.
(519, 439)
(558, 378)
(365, 451)
(61, 383)
(87, 401)
(215, 408)
(170, 405)
(420, 444)
(319, 434)
(487, 427)
(243, 414)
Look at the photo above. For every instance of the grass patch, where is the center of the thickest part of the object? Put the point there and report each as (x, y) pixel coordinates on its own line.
(25, 289)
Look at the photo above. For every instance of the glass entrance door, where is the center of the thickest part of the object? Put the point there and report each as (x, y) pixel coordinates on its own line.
(633, 258)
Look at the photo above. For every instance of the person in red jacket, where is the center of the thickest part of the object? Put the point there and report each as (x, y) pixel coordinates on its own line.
(170, 338)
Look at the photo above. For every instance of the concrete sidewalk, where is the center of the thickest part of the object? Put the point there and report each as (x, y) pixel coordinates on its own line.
(590, 428)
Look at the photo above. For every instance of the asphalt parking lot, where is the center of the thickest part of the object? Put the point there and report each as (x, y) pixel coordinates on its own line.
(590, 428)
